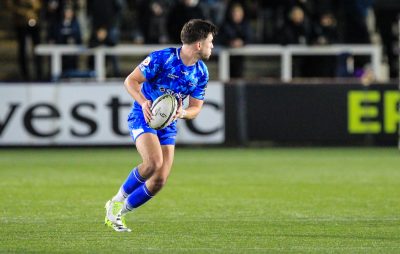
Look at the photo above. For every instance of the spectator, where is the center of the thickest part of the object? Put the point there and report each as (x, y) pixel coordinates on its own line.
(105, 16)
(235, 33)
(26, 14)
(270, 17)
(320, 7)
(354, 27)
(214, 10)
(325, 32)
(355, 21)
(387, 13)
(133, 21)
(54, 13)
(67, 31)
(307, 6)
(182, 12)
(297, 29)
(154, 27)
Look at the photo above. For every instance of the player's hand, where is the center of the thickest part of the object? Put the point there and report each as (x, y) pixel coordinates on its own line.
(179, 110)
(146, 106)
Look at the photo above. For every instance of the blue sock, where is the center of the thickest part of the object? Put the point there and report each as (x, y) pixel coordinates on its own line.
(138, 197)
(133, 181)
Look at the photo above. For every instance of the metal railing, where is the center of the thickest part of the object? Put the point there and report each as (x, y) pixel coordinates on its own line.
(286, 54)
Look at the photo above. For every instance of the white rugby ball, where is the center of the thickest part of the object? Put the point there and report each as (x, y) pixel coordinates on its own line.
(163, 110)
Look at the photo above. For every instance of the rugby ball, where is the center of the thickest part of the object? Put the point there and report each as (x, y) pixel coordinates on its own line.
(163, 110)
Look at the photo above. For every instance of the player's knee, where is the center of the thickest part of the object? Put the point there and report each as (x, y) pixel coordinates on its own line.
(156, 163)
(152, 165)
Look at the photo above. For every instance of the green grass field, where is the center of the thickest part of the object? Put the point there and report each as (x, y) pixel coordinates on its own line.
(325, 200)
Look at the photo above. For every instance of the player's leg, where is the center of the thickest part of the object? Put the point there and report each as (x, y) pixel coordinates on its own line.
(154, 184)
(151, 159)
(145, 192)
(150, 150)
(159, 178)
(139, 129)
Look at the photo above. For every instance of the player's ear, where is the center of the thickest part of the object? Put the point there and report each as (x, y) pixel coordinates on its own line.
(198, 45)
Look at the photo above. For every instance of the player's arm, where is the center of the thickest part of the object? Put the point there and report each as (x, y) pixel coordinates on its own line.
(192, 110)
(133, 84)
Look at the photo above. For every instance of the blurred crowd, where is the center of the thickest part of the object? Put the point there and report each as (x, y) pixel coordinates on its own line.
(110, 22)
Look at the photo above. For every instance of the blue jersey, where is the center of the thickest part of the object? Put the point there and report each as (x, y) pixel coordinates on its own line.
(166, 73)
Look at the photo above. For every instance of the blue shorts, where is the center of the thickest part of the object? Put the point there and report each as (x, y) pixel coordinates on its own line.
(137, 126)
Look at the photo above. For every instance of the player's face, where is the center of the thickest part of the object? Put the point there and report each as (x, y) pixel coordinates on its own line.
(206, 47)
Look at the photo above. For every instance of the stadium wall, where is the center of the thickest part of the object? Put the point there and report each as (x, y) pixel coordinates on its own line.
(323, 114)
(63, 114)
(80, 114)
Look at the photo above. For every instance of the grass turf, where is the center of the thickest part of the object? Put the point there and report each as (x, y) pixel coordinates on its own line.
(329, 200)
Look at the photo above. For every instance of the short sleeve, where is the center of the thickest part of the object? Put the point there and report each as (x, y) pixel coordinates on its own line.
(200, 90)
(202, 81)
(150, 66)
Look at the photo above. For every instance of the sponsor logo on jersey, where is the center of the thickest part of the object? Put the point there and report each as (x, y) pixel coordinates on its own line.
(171, 92)
(172, 76)
(146, 61)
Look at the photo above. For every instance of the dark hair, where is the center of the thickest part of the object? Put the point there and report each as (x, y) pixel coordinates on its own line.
(196, 30)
